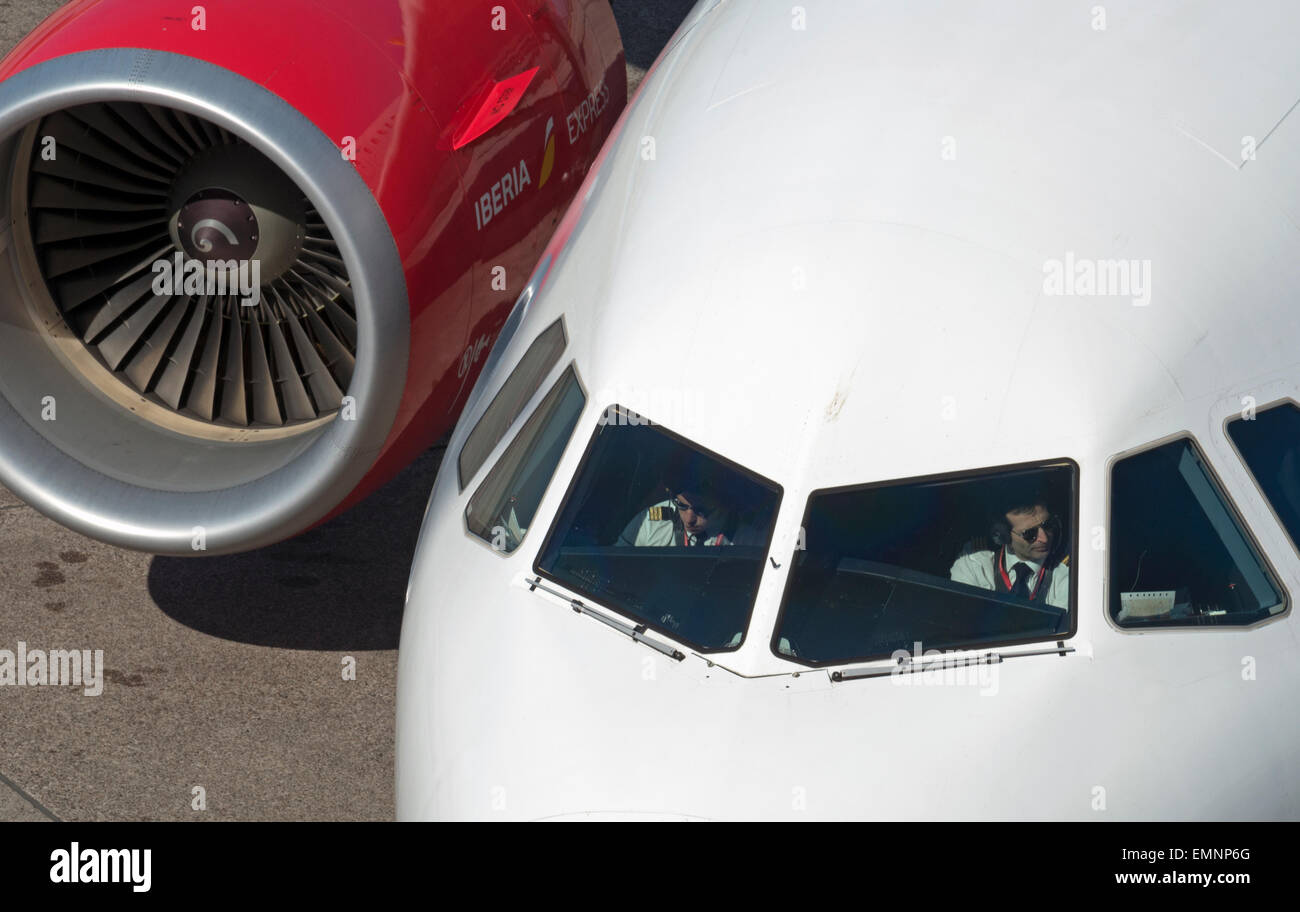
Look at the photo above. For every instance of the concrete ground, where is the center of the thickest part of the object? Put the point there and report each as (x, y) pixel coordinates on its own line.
(223, 676)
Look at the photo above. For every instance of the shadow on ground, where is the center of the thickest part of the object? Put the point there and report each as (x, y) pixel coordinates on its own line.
(338, 587)
(646, 27)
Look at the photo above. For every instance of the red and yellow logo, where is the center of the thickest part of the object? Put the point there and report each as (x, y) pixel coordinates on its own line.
(548, 159)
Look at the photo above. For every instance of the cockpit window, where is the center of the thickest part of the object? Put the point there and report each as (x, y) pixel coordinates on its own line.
(1179, 555)
(1269, 443)
(502, 509)
(525, 380)
(661, 530)
(949, 562)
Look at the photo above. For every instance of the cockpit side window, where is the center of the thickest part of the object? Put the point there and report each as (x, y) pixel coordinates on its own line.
(502, 509)
(1269, 444)
(524, 381)
(661, 530)
(1180, 555)
(947, 562)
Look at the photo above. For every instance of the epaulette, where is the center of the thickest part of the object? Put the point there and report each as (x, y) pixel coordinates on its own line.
(1065, 561)
(659, 514)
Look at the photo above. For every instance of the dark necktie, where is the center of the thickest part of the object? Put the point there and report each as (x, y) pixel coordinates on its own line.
(1021, 588)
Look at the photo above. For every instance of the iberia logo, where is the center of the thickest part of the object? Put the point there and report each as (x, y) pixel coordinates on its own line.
(548, 159)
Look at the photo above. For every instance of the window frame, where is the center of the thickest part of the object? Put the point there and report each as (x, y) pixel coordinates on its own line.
(544, 391)
(1237, 517)
(1250, 473)
(969, 474)
(730, 465)
(463, 482)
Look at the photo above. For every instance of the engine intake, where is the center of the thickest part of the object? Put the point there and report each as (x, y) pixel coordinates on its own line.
(195, 273)
(194, 281)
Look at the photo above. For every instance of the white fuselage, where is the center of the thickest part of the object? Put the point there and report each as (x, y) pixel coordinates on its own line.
(849, 252)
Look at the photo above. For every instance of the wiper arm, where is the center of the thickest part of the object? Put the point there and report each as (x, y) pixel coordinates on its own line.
(908, 665)
(637, 633)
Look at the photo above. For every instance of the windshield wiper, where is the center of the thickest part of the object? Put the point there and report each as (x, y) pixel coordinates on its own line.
(908, 665)
(637, 633)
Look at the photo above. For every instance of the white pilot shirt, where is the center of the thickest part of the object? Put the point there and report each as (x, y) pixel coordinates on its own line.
(644, 530)
(976, 569)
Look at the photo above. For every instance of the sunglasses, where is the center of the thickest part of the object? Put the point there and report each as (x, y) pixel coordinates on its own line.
(1031, 534)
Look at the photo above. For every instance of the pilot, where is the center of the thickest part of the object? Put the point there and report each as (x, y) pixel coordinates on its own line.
(1027, 561)
(691, 517)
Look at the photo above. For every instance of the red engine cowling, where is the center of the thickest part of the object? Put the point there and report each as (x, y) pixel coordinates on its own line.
(257, 252)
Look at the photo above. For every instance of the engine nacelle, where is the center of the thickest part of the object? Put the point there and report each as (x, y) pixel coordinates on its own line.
(255, 255)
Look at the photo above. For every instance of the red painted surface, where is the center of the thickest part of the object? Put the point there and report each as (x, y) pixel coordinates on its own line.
(393, 75)
(491, 107)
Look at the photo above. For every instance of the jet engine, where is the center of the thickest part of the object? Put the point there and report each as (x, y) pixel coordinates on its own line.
(254, 254)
